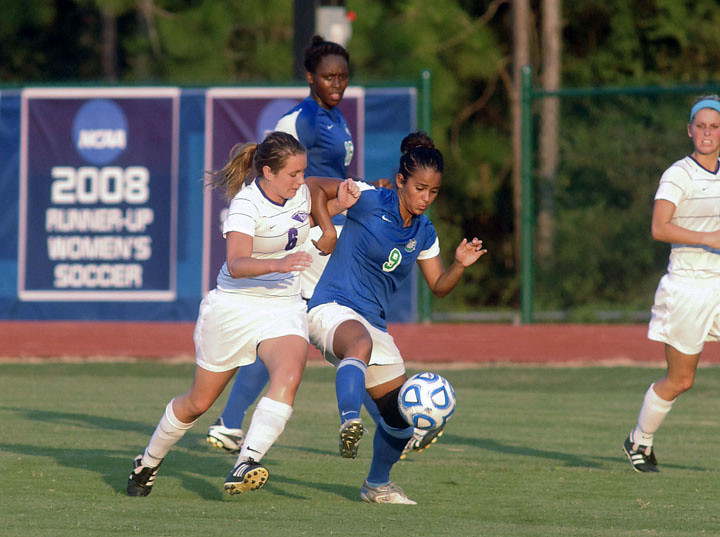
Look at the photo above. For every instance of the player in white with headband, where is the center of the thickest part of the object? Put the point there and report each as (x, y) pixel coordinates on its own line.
(686, 312)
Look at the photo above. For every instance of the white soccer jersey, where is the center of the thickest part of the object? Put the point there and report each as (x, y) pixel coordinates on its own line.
(277, 231)
(695, 192)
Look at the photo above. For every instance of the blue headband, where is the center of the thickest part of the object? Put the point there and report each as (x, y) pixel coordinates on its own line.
(705, 103)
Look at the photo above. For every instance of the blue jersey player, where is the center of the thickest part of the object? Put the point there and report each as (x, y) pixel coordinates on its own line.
(386, 233)
(321, 128)
(324, 131)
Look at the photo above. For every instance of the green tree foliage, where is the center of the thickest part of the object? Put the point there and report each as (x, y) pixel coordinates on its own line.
(222, 42)
(160, 41)
(609, 171)
(612, 150)
(397, 40)
(641, 42)
(45, 40)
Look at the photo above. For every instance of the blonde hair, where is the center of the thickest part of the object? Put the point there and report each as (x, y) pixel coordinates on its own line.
(248, 160)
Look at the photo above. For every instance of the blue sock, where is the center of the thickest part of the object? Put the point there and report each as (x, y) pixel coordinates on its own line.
(350, 387)
(388, 445)
(250, 381)
(372, 408)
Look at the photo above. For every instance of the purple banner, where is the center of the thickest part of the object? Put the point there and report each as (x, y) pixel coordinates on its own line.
(98, 194)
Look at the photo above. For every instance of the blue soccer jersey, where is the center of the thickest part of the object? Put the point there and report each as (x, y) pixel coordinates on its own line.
(373, 255)
(325, 135)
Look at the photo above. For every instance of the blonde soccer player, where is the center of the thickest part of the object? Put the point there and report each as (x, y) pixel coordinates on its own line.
(256, 308)
(686, 312)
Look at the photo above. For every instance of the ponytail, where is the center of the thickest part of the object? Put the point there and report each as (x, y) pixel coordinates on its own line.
(237, 172)
(248, 160)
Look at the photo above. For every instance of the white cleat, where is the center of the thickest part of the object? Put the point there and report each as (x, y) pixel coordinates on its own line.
(222, 437)
(389, 493)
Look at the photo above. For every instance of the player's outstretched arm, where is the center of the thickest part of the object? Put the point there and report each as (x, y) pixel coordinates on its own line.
(440, 280)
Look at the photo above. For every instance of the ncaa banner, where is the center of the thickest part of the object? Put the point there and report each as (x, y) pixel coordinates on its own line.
(98, 194)
(240, 115)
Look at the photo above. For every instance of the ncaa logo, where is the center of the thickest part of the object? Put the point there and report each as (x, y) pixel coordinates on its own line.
(100, 131)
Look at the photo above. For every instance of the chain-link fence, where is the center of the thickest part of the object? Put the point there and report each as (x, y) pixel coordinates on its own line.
(589, 256)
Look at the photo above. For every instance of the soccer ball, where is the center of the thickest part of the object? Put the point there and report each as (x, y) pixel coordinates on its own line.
(426, 401)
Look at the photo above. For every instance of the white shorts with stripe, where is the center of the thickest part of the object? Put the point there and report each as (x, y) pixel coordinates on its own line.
(230, 326)
(386, 363)
(686, 313)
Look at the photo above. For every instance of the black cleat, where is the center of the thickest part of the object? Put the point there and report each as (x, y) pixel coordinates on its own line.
(141, 478)
(248, 475)
(642, 458)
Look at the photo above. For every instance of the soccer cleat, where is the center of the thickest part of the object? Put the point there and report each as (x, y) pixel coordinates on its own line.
(421, 440)
(141, 478)
(248, 475)
(642, 458)
(389, 493)
(225, 438)
(351, 433)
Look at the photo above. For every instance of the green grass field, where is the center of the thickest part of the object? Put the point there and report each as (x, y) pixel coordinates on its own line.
(530, 452)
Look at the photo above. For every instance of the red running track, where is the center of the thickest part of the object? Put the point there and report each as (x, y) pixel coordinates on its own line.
(489, 343)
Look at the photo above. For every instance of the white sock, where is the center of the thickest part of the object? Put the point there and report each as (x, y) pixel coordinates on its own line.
(267, 424)
(167, 433)
(653, 412)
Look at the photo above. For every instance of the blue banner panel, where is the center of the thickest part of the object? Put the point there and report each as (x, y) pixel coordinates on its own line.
(9, 193)
(389, 117)
(98, 194)
(240, 115)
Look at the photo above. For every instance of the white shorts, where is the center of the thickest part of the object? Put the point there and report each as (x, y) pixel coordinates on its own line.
(310, 276)
(386, 363)
(230, 326)
(686, 313)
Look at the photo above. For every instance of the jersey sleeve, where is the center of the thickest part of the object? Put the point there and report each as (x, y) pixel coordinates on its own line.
(674, 185)
(430, 246)
(242, 216)
(301, 124)
(287, 124)
(431, 252)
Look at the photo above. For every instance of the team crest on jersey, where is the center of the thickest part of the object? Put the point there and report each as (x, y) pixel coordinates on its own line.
(411, 245)
(300, 216)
